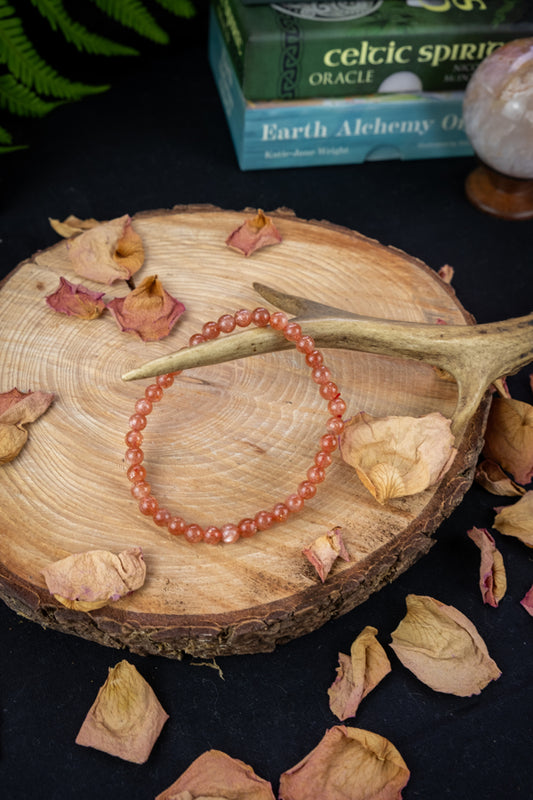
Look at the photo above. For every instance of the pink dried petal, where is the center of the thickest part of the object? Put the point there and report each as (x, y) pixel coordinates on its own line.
(76, 301)
(347, 764)
(492, 577)
(108, 252)
(86, 581)
(254, 234)
(358, 673)
(491, 477)
(325, 550)
(517, 519)
(443, 648)
(148, 311)
(509, 437)
(527, 601)
(126, 718)
(446, 273)
(17, 409)
(217, 776)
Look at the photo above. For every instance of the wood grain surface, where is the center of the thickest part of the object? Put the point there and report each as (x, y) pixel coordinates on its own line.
(226, 440)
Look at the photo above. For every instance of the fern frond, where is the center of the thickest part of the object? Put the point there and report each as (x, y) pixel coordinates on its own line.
(181, 8)
(20, 100)
(78, 35)
(5, 136)
(25, 64)
(133, 14)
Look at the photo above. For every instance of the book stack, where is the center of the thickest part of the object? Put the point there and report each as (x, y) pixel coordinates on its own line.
(316, 83)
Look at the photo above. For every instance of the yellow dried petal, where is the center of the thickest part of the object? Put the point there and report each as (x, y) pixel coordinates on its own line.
(148, 311)
(398, 456)
(108, 252)
(358, 673)
(443, 648)
(509, 437)
(347, 763)
(86, 581)
(491, 477)
(126, 718)
(72, 225)
(216, 776)
(517, 520)
(16, 410)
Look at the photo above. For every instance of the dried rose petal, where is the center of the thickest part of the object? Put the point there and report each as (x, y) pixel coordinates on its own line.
(358, 673)
(148, 311)
(16, 410)
(527, 601)
(517, 519)
(126, 718)
(443, 648)
(217, 776)
(509, 437)
(325, 550)
(85, 581)
(347, 764)
(492, 577)
(254, 234)
(491, 477)
(72, 225)
(446, 273)
(76, 301)
(398, 456)
(108, 252)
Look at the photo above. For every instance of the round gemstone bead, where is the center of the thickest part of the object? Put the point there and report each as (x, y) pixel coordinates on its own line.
(195, 339)
(212, 535)
(335, 425)
(230, 533)
(143, 406)
(264, 520)
(134, 438)
(305, 344)
(176, 526)
(133, 456)
(162, 517)
(294, 502)
(280, 512)
(328, 442)
(154, 392)
(329, 390)
(210, 330)
(247, 527)
(148, 505)
(140, 489)
(243, 317)
(194, 533)
(337, 407)
(260, 317)
(292, 331)
(314, 359)
(165, 381)
(226, 323)
(136, 473)
(321, 374)
(137, 422)
(316, 474)
(307, 490)
(323, 459)
(278, 320)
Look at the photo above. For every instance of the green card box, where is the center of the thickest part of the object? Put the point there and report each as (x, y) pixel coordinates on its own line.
(304, 50)
(272, 135)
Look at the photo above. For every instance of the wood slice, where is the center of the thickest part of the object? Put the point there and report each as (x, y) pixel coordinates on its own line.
(226, 441)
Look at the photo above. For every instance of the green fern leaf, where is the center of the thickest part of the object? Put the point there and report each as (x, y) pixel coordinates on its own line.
(132, 14)
(28, 67)
(20, 100)
(5, 136)
(75, 33)
(181, 8)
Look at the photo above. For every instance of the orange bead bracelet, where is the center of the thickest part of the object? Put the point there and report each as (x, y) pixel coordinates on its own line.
(264, 519)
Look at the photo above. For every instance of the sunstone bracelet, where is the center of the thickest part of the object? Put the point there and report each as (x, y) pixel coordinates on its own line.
(264, 519)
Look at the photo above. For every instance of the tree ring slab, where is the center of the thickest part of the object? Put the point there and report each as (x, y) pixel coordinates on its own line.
(227, 440)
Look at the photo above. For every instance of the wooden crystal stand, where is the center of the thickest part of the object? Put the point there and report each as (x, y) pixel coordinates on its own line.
(226, 441)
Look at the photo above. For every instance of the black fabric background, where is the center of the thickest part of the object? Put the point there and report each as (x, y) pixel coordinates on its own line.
(159, 138)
